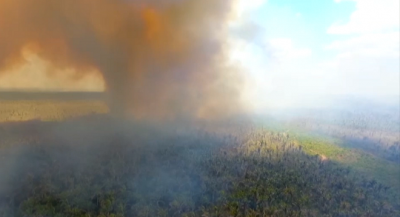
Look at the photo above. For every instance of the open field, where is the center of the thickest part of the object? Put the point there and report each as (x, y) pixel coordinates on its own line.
(96, 165)
(373, 129)
(25, 106)
(47, 110)
(385, 171)
(365, 140)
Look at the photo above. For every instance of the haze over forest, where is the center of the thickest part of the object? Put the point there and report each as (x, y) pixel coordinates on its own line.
(113, 108)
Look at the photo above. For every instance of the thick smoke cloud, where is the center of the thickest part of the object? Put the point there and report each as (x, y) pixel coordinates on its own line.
(157, 58)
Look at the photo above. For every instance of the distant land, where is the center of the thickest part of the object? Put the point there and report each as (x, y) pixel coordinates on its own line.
(50, 95)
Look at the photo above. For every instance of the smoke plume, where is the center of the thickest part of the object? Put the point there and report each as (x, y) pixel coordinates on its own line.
(158, 58)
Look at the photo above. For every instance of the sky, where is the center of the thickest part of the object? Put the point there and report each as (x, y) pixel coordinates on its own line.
(299, 51)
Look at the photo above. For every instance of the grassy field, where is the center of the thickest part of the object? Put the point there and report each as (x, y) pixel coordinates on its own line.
(48, 110)
(342, 151)
(369, 165)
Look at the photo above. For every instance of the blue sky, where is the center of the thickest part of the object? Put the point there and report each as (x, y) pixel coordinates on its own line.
(305, 22)
(303, 49)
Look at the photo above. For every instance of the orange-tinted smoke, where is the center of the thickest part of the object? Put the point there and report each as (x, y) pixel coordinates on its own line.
(159, 58)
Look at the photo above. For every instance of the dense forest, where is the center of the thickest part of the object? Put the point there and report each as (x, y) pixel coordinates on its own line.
(98, 167)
